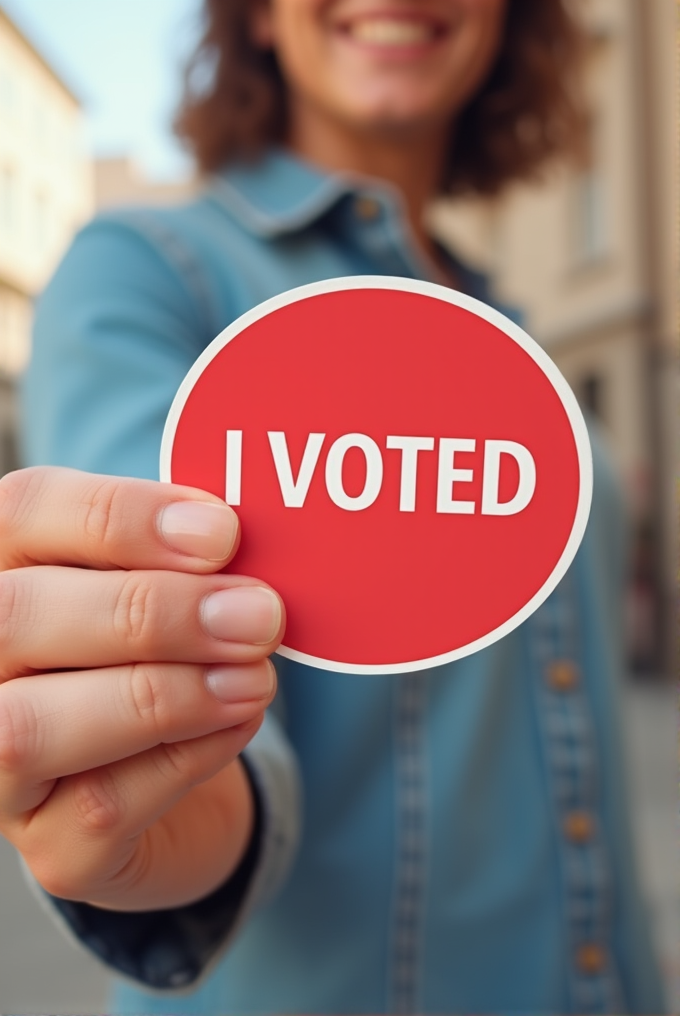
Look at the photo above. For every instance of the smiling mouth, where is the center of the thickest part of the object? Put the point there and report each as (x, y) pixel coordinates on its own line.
(393, 33)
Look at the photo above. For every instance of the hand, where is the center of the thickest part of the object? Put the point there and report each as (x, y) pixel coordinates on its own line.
(131, 676)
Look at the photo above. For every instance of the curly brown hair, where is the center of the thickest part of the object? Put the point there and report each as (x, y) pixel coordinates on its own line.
(528, 110)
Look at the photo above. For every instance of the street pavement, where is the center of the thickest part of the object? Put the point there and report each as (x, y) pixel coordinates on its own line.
(652, 721)
(42, 972)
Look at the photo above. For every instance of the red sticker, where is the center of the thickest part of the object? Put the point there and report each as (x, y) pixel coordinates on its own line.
(412, 472)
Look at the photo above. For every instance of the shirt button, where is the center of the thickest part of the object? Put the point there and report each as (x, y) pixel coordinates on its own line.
(578, 826)
(366, 208)
(591, 958)
(562, 675)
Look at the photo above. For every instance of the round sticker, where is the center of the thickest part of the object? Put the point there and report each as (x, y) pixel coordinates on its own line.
(412, 472)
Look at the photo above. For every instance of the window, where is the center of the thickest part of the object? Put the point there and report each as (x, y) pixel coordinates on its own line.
(592, 394)
(7, 93)
(8, 200)
(40, 126)
(591, 236)
(41, 222)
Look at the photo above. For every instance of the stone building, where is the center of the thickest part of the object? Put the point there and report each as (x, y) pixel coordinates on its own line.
(45, 194)
(590, 257)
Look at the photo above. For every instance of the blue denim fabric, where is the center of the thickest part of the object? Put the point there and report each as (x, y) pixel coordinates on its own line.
(416, 852)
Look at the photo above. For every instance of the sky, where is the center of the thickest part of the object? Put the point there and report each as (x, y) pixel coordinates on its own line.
(122, 58)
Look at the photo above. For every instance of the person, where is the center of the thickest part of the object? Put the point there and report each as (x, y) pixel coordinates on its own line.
(454, 839)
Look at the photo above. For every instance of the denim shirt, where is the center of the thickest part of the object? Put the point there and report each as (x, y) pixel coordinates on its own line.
(455, 839)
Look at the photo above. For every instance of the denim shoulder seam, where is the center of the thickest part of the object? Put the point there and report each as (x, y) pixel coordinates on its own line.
(177, 255)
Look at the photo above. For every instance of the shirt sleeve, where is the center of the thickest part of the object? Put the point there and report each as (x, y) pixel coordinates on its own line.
(116, 330)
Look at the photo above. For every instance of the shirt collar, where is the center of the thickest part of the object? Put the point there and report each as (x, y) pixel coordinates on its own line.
(279, 193)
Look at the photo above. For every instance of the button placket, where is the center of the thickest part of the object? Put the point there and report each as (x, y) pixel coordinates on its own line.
(572, 764)
(562, 675)
(406, 948)
(579, 826)
(367, 208)
(591, 958)
(380, 223)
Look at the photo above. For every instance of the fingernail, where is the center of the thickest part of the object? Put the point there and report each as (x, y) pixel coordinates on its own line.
(198, 528)
(242, 614)
(240, 684)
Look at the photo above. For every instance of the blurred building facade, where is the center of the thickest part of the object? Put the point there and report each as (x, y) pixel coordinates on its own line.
(46, 192)
(120, 181)
(591, 259)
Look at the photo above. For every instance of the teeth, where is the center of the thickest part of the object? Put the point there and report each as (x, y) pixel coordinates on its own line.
(390, 32)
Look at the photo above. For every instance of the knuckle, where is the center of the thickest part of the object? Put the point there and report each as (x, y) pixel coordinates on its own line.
(147, 696)
(10, 610)
(134, 612)
(19, 731)
(103, 514)
(180, 762)
(19, 491)
(96, 801)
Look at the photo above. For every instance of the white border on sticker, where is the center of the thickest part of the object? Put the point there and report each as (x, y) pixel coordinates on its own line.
(504, 324)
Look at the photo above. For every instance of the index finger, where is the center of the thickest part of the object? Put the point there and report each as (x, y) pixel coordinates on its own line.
(54, 515)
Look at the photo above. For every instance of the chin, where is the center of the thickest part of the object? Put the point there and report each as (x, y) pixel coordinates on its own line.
(394, 104)
(397, 119)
